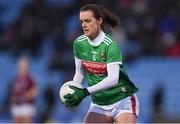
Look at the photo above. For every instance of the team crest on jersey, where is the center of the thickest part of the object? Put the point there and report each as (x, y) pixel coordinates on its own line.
(102, 55)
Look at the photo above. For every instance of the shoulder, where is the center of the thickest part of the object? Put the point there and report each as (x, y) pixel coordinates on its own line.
(81, 38)
(108, 40)
(80, 41)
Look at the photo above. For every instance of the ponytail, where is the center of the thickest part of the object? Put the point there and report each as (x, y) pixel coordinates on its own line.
(109, 19)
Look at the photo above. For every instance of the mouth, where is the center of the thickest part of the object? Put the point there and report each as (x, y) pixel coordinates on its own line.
(85, 30)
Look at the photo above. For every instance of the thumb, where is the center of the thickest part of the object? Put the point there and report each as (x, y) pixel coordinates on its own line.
(73, 87)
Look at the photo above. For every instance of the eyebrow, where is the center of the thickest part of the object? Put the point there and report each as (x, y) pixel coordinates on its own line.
(85, 20)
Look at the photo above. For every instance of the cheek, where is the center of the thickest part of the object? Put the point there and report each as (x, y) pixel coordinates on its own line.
(94, 27)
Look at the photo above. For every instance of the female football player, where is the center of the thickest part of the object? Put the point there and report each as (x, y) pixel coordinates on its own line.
(24, 92)
(97, 55)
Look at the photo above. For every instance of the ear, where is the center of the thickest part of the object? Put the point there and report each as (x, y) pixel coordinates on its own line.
(99, 21)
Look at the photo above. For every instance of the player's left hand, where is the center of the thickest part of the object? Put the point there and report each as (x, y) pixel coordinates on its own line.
(75, 98)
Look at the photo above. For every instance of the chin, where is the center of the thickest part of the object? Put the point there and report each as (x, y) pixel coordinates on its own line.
(90, 36)
(87, 34)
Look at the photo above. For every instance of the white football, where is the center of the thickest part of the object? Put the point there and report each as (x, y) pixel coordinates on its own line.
(64, 90)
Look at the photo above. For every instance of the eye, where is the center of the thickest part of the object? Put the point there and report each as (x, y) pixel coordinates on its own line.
(88, 20)
(81, 21)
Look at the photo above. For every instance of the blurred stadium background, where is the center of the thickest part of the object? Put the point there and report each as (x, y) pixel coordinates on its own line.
(44, 30)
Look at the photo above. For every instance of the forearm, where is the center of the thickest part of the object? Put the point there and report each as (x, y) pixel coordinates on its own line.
(79, 74)
(109, 81)
(78, 77)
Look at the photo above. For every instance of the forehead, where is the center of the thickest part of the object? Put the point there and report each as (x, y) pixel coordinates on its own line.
(86, 15)
(23, 61)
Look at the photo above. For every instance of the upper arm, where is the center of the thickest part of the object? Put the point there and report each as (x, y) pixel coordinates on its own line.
(75, 49)
(78, 65)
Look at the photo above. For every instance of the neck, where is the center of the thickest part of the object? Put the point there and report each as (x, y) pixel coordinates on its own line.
(23, 73)
(96, 41)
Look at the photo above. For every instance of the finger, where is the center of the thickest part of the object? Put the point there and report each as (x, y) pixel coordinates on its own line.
(74, 103)
(70, 104)
(74, 96)
(68, 96)
(73, 87)
(69, 101)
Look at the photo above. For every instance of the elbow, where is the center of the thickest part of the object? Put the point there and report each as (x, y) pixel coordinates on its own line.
(114, 80)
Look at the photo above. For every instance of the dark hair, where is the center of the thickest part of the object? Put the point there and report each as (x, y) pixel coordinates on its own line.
(109, 19)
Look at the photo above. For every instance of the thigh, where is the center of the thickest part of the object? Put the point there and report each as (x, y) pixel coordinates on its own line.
(93, 117)
(17, 119)
(127, 110)
(27, 119)
(126, 118)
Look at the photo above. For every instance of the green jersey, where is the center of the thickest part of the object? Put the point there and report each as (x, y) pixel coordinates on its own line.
(95, 60)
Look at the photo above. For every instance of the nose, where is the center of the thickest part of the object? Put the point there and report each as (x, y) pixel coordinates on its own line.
(83, 24)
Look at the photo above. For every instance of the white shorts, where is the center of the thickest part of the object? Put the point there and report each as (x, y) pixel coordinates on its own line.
(127, 105)
(23, 110)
